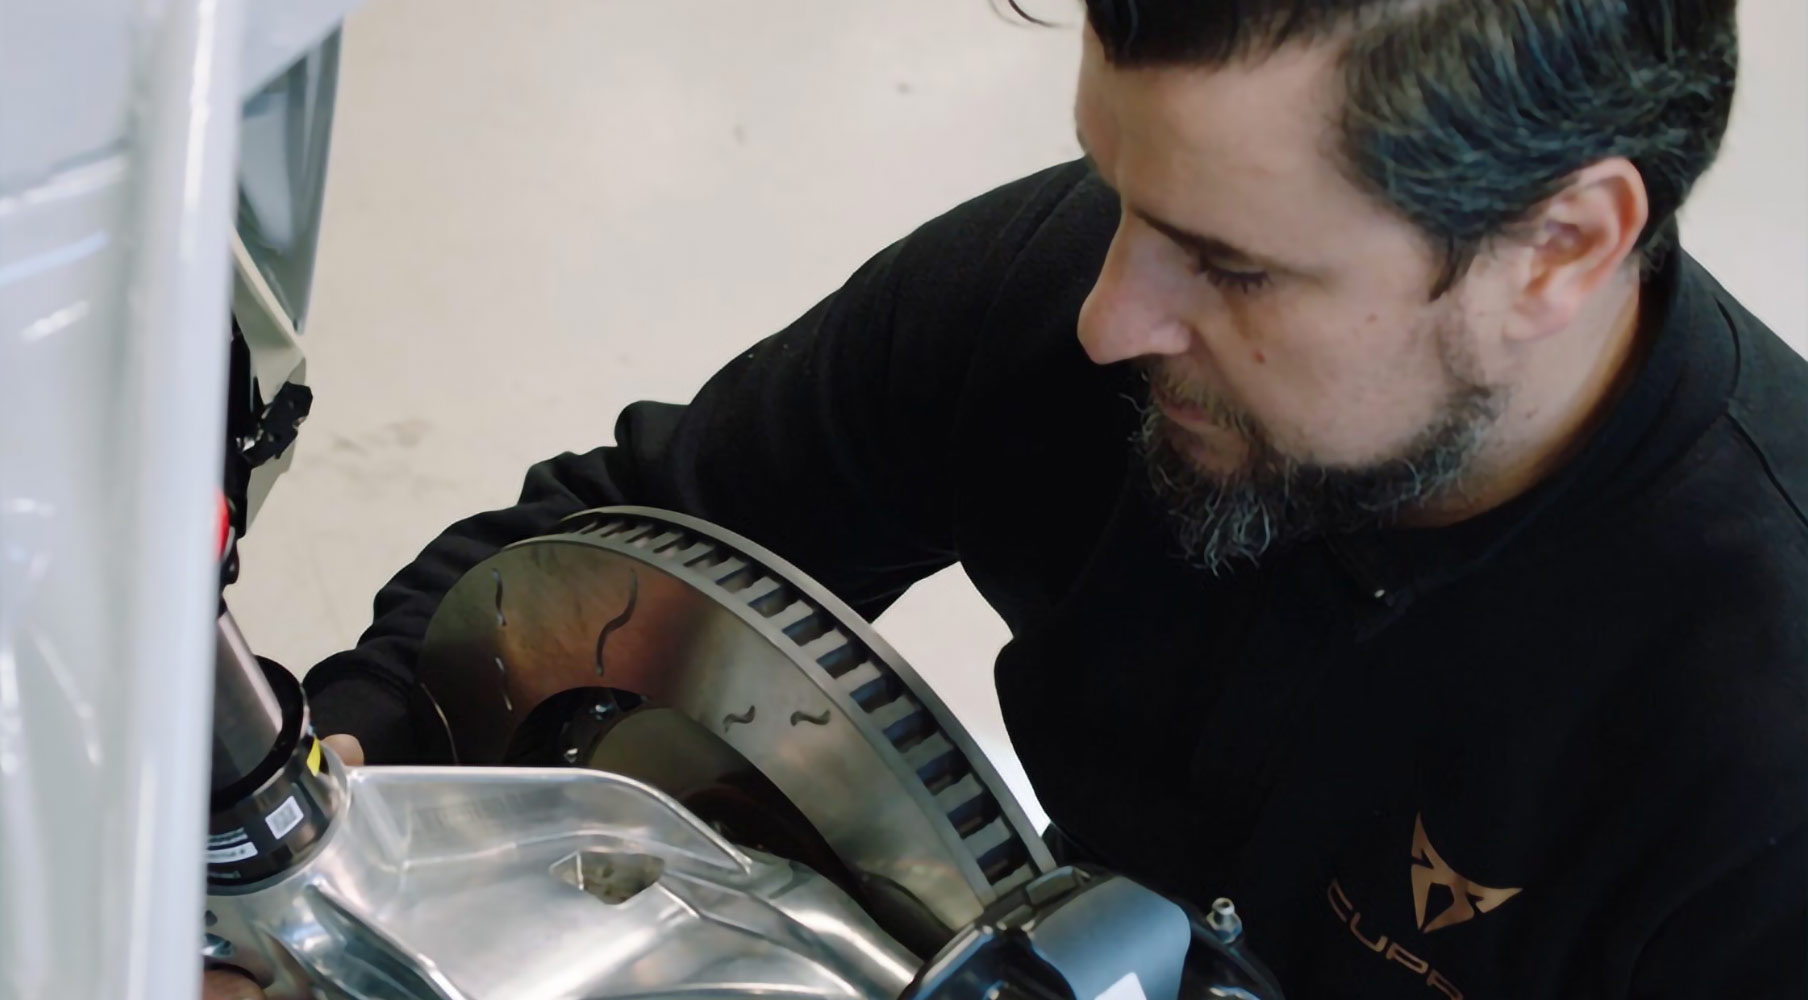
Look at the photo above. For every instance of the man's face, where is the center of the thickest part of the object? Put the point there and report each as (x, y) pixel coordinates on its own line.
(1302, 379)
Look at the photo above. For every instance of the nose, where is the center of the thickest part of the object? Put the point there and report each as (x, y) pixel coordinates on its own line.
(1130, 312)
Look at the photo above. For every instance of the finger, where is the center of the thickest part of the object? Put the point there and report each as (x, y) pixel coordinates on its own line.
(347, 747)
(222, 985)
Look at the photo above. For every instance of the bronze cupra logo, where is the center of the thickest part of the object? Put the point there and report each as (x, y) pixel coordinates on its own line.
(1467, 899)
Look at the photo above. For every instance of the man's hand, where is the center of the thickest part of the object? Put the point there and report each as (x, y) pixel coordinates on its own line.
(223, 984)
(348, 749)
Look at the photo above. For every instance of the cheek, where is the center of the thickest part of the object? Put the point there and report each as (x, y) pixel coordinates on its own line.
(1334, 383)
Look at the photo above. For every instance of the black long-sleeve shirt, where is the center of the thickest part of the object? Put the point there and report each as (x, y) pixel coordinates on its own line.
(1560, 749)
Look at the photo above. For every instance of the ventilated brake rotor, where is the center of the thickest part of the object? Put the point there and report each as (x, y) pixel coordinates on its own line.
(766, 700)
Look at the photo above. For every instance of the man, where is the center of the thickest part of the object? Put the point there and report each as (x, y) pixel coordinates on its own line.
(1410, 544)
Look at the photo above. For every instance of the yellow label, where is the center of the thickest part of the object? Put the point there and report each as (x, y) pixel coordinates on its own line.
(314, 759)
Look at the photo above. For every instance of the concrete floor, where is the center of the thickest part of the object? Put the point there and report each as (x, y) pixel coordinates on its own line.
(540, 213)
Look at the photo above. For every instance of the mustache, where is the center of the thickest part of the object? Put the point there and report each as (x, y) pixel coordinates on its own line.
(1169, 386)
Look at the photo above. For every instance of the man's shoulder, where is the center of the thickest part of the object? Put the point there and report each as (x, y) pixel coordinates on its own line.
(1004, 273)
(1720, 649)
(1725, 525)
(1713, 553)
(1767, 411)
(1023, 219)
(1725, 552)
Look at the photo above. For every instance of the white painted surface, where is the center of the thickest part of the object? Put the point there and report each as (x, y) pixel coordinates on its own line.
(116, 169)
(541, 212)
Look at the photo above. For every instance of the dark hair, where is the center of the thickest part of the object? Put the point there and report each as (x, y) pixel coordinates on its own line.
(1466, 115)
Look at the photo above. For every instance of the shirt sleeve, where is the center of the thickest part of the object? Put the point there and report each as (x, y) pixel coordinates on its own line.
(826, 442)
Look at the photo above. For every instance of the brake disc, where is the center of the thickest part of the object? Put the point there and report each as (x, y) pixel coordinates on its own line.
(777, 706)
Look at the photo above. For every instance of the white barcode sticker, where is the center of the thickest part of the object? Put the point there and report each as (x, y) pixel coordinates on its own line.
(284, 818)
(1127, 988)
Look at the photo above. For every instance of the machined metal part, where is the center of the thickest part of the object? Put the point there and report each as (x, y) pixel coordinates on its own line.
(273, 816)
(1072, 934)
(247, 720)
(1224, 921)
(691, 617)
(542, 884)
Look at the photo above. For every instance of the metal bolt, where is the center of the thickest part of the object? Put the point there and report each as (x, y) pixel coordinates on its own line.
(571, 755)
(1224, 921)
(599, 712)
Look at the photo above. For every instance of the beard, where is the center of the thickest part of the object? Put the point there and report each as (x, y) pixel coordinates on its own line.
(1272, 499)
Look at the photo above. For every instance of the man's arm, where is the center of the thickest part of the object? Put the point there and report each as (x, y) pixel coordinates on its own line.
(827, 442)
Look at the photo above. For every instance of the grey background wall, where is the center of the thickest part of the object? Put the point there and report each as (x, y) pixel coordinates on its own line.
(540, 212)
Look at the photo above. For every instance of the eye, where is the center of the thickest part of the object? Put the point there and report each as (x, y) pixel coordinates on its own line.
(1241, 282)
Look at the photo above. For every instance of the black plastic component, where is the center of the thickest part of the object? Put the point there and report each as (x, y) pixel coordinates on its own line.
(256, 431)
(279, 423)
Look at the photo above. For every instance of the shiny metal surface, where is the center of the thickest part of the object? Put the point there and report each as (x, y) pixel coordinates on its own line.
(696, 619)
(246, 716)
(1224, 921)
(543, 884)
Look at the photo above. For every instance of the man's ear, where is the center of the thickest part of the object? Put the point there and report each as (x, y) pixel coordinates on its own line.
(1578, 241)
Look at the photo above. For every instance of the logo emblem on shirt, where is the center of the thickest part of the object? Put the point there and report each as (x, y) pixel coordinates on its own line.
(1466, 897)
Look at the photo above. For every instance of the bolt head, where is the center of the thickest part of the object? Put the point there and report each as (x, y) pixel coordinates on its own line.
(1224, 921)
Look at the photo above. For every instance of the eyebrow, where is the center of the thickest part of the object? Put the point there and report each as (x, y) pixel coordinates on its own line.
(1198, 244)
(1207, 247)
